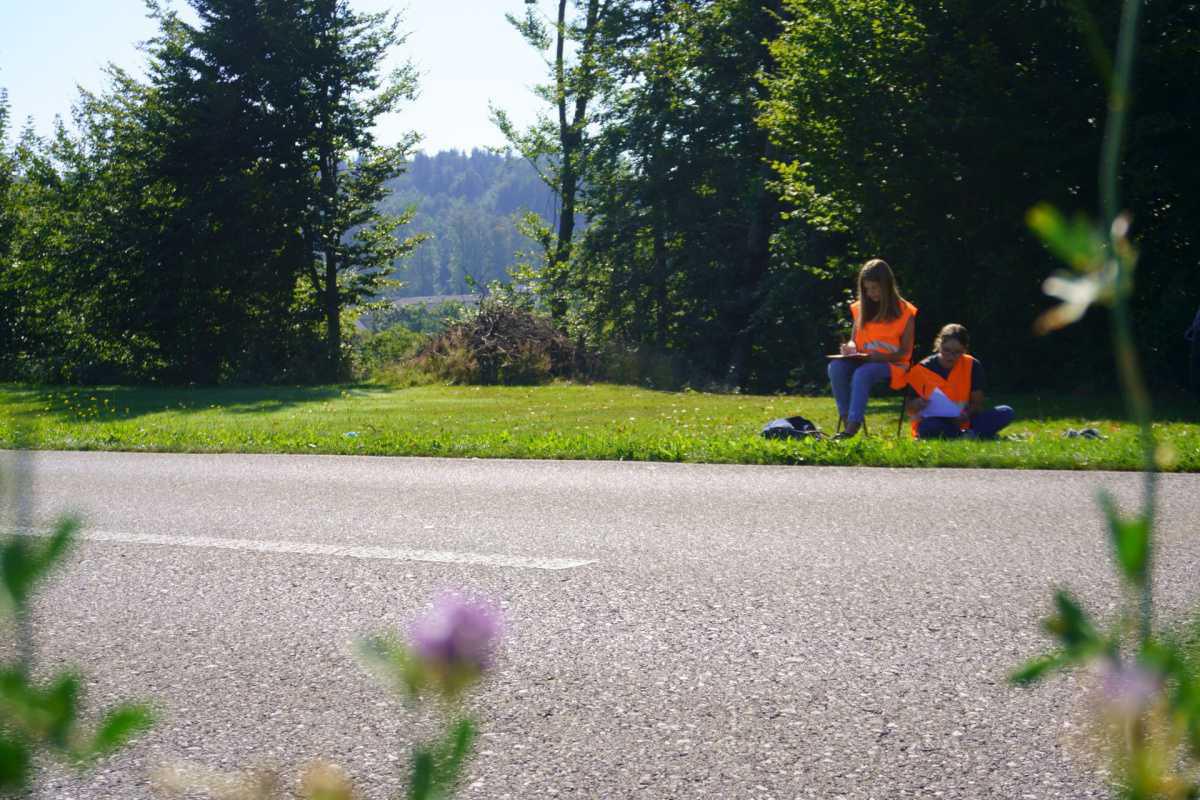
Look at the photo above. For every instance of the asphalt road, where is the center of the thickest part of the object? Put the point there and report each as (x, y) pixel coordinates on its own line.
(673, 631)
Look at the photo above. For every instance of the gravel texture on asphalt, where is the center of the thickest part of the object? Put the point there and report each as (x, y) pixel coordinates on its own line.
(741, 632)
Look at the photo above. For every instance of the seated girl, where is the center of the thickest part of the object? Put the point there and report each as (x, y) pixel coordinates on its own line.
(884, 324)
(961, 379)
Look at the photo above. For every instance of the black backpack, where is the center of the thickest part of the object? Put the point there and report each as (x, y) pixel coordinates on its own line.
(791, 428)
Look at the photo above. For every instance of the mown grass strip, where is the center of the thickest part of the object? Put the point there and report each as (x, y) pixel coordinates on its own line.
(563, 421)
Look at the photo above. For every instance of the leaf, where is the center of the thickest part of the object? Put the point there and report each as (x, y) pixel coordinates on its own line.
(14, 689)
(1035, 669)
(14, 765)
(1073, 628)
(1131, 540)
(392, 663)
(451, 755)
(118, 727)
(25, 560)
(60, 706)
(60, 543)
(17, 569)
(420, 786)
(1079, 242)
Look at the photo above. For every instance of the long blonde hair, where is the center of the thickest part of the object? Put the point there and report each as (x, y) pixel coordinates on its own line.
(890, 301)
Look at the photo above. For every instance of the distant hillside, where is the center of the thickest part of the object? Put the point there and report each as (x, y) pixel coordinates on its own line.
(470, 204)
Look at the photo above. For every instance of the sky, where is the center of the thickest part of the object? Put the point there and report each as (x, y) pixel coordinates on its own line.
(465, 51)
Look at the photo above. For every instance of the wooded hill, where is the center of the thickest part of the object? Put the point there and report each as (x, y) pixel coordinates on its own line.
(469, 205)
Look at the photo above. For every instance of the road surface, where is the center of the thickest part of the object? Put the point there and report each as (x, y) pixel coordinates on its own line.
(672, 631)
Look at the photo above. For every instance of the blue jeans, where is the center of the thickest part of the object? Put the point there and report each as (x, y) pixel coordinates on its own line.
(852, 384)
(985, 425)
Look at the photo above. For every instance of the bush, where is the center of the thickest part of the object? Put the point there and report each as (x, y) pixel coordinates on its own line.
(375, 353)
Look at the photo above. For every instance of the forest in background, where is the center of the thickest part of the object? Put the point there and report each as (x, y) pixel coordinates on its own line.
(735, 161)
(469, 205)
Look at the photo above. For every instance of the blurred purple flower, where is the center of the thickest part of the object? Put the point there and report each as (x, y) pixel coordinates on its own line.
(1127, 690)
(458, 637)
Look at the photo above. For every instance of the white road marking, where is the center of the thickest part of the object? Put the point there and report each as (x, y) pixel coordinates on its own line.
(305, 548)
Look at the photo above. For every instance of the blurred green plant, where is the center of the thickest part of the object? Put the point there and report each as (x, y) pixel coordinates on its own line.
(447, 652)
(36, 715)
(1149, 688)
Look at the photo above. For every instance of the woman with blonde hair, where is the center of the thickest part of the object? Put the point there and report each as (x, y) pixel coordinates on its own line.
(880, 346)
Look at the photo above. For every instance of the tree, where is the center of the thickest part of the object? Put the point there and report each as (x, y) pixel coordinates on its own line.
(8, 222)
(559, 148)
(924, 133)
(677, 252)
(269, 111)
(342, 96)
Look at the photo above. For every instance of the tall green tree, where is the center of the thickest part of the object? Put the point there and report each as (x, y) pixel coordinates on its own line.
(268, 117)
(78, 249)
(343, 94)
(232, 254)
(923, 133)
(8, 221)
(558, 146)
(677, 253)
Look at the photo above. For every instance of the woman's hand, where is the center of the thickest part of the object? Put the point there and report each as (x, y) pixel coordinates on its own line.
(849, 348)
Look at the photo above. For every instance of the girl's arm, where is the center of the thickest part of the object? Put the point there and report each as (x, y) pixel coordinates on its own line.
(853, 336)
(975, 404)
(914, 404)
(906, 344)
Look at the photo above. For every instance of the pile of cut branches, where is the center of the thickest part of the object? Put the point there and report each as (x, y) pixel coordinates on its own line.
(499, 344)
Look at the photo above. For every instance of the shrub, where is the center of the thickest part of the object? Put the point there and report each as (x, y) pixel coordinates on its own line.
(373, 353)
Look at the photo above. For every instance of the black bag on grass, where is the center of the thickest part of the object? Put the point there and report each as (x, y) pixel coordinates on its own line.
(791, 428)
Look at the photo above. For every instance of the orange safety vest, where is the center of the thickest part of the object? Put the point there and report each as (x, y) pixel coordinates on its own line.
(885, 337)
(956, 385)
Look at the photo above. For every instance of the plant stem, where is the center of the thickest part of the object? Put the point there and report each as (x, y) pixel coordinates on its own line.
(1128, 368)
(23, 521)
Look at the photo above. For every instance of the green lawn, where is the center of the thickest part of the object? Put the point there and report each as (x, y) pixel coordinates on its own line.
(562, 421)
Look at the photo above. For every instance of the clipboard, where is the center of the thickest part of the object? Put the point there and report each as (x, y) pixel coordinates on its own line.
(849, 357)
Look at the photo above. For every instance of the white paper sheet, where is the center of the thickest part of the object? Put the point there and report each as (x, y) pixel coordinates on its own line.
(941, 406)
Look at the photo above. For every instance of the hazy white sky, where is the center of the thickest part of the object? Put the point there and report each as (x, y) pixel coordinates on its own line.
(466, 52)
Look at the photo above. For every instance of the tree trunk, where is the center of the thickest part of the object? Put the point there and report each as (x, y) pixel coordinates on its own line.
(331, 302)
(754, 270)
(333, 318)
(764, 214)
(570, 137)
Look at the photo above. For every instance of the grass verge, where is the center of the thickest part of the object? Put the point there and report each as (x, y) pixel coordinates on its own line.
(563, 421)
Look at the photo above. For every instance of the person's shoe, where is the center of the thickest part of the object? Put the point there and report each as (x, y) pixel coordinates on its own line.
(852, 429)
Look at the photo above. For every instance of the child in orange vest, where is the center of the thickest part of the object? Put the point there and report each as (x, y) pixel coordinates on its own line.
(960, 377)
(884, 325)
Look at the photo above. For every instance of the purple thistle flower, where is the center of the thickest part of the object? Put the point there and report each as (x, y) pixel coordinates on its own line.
(457, 640)
(1128, 690)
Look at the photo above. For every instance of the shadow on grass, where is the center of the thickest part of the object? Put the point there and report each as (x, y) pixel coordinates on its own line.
(1047, 407)
(1052, 411)
(130, 402)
